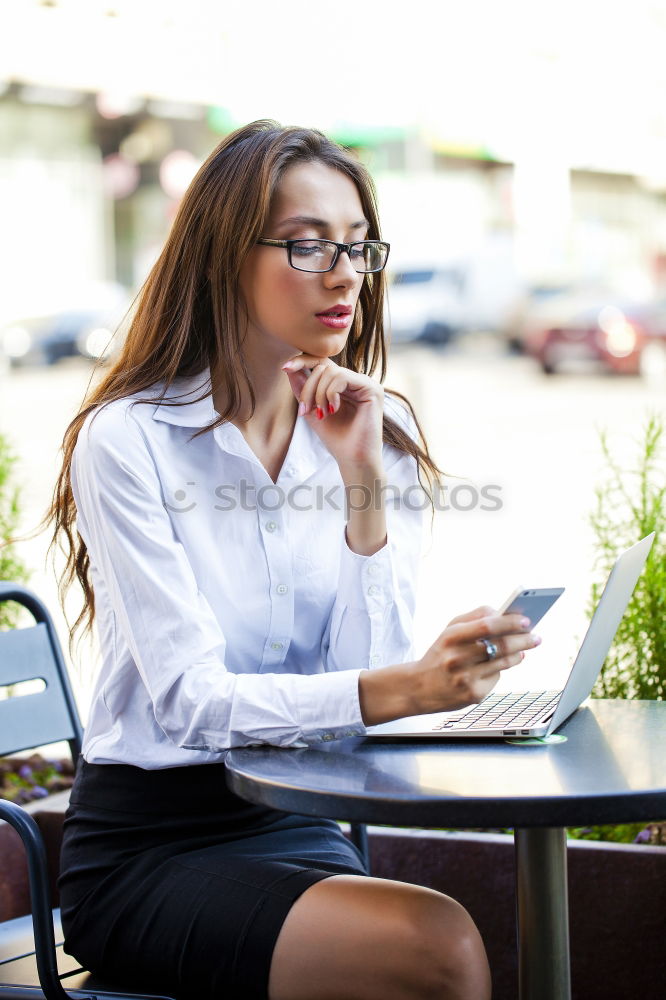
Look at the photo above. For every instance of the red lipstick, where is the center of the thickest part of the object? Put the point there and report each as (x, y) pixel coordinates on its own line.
(337, 317)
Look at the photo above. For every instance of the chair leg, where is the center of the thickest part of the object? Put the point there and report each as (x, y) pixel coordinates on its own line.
(42, 919)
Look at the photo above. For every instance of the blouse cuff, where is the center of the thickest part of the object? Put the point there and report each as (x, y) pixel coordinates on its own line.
(342, 710)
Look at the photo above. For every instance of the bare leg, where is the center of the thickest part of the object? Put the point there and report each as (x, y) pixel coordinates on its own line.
(354, 938)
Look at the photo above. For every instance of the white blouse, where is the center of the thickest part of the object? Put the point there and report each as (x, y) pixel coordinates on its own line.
(230, 610)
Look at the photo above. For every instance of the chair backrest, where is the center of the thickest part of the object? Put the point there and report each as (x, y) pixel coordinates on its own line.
(34, 653)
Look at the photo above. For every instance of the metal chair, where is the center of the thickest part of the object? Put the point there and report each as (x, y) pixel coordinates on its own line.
(38, 719)
(29, 955)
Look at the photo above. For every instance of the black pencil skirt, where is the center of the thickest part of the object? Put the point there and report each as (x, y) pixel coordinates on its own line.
(170, 882)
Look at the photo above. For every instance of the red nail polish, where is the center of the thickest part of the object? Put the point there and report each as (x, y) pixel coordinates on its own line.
(320, 413)
(331, 408)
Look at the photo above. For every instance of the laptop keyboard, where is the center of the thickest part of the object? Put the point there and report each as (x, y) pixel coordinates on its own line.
(503, 711)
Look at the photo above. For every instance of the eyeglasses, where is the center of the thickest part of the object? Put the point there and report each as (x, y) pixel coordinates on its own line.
(322, 255)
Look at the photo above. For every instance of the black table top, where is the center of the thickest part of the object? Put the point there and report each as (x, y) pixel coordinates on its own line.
(611, 769)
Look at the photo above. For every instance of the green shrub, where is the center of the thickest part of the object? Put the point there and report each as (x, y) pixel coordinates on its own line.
(631, 504)
(622, 833)
(11, 567)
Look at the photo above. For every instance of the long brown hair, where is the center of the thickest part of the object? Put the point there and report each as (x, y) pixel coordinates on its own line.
(190, 312)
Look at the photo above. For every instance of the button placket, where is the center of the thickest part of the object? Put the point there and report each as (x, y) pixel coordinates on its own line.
(279, 568)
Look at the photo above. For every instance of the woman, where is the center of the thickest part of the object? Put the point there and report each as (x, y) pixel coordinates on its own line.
(235, 486)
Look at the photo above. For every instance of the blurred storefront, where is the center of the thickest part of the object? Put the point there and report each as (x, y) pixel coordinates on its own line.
(89, 186)
(505, 161)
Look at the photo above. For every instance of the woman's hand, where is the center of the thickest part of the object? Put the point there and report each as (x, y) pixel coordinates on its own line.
(454, 673)
(344, 408)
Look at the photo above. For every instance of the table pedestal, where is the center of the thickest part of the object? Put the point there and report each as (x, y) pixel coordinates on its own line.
(543, 914)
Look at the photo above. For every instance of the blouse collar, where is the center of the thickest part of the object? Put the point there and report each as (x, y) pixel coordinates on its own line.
(190, 411)
(307, 453)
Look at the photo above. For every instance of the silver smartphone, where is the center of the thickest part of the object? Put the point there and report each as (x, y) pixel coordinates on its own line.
(531, 603)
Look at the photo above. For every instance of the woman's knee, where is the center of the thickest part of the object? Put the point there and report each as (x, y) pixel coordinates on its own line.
(447, 955)
(378, 938)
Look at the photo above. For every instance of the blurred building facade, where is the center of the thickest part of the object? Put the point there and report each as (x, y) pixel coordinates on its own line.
(94, 158)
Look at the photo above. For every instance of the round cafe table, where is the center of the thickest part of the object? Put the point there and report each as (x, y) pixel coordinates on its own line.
(611, 768)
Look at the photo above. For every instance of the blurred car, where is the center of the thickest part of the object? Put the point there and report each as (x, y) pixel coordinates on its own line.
(574, 332)
(425, 304)
(87, 329)
(653, 356)
(528, 304)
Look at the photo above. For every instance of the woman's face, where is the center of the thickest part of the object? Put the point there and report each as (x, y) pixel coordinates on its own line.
(313, 201)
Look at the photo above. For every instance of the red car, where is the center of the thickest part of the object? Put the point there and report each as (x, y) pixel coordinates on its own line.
(574, 333)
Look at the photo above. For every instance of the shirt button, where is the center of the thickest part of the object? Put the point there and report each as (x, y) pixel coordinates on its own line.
(373, 589)
(328, 736)
(277, 645)
(374, 569)
(282, 588)
(271, 526)
(374, 660)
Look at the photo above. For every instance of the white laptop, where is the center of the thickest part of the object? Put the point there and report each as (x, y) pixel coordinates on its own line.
(531, 714)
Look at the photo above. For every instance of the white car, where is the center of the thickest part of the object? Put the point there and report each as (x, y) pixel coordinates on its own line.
(424, 304)
(91, 323)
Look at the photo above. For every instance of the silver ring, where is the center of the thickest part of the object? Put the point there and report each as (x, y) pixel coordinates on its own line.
(491, 648)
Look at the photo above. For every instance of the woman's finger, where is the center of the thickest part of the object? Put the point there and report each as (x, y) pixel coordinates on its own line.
(487, 627)
(305, 361)
(509, 646)
(308, 392)
(299, 370)
(326, 381)
(297, 380)
(329, 388)
(497, 666)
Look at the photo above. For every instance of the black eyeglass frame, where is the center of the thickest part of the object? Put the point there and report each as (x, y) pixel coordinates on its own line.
(340, 248)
